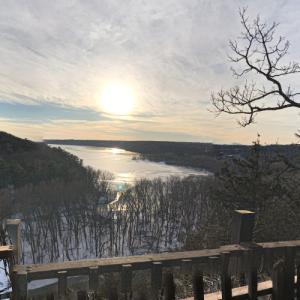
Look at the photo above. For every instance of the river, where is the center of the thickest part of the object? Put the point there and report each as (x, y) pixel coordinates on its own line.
(122, 164)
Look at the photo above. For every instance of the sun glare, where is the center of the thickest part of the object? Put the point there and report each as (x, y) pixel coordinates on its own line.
(117, 99)
(116, 150)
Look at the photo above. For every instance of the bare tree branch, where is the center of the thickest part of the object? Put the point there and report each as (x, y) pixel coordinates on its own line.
(260, 52)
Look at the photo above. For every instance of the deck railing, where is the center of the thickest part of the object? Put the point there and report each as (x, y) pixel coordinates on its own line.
(241, 261)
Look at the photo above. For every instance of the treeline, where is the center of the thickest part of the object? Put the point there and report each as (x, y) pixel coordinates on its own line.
(151, 216)
(71, 216)
(24, 162)
(156, 215)
(208, 156)
(266, 184)
(33, 174)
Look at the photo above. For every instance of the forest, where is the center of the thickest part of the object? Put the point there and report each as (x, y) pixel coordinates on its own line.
(68, 210)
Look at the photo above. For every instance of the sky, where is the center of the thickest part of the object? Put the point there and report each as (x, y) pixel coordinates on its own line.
(57, 57)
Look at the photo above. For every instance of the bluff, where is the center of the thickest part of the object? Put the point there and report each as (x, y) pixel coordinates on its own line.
(23, 161)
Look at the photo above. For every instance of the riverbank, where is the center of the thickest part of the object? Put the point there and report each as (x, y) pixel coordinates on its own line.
(200, 156)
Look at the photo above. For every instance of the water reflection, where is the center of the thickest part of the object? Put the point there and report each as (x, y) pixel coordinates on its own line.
(125, 168)
(115, 150)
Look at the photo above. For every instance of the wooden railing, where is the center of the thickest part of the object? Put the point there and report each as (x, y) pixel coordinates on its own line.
(238, 261)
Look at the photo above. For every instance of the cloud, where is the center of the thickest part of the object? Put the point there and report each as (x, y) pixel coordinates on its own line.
(173, 53)
(46, 112)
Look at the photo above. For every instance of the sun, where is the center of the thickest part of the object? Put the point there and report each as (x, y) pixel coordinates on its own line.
(117, 99)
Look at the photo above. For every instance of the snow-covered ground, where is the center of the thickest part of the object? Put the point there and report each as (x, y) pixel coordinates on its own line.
(4, 280)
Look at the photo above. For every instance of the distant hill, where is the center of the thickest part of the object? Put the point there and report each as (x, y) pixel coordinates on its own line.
(23, 161)
(206, 156)
(10, 144)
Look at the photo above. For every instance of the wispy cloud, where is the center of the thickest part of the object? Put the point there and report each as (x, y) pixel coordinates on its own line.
(173, 53)
(46, 112)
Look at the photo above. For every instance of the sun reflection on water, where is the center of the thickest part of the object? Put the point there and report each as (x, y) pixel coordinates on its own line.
(116, 150)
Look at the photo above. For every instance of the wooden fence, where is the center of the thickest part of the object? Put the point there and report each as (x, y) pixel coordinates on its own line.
(240, 261)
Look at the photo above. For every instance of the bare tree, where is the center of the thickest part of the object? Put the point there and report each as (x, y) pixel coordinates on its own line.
(259, 54)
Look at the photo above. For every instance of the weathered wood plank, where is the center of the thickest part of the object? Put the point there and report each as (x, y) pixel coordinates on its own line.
(81, 267)
(6, 252)
(281, 244)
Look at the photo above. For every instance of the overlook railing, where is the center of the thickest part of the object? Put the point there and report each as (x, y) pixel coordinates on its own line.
(237, 264)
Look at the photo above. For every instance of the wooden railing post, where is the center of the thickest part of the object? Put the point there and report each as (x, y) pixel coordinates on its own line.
(290, 273)
(169, 286)
(298, 282)
(242, 226)
(126, 281)
(279, 286)
(198, 284)
(213, 264)
(225, 277)
(156, 279)
(19, 290)
(252, 274)
(62, 284)
(93, 280)
(186, 266)
(186, 270)
(13, 230)
(283, 276)
(82, 295)
(111, 288)
(242, 233)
